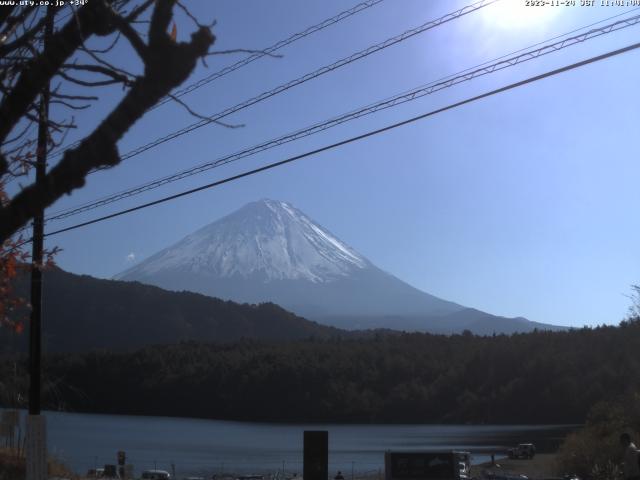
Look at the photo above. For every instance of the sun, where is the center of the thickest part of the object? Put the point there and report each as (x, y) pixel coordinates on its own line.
(520, 14)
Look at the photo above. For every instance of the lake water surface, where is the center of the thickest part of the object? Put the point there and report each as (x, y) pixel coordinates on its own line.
(197, 446)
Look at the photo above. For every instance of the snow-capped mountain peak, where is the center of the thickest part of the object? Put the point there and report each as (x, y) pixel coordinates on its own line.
(268, 239)
(269, 251)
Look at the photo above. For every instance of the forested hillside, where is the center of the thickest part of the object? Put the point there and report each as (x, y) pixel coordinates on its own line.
(539, 377)
(81, 313)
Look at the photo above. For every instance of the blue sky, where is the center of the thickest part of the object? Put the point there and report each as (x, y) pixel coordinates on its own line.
(522, 204)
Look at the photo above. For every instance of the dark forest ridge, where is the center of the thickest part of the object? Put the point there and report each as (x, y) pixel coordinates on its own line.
(532, 378)
(82, 313)
(120, 315)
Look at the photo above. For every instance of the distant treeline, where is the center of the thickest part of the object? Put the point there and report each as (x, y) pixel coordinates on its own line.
(539, 377)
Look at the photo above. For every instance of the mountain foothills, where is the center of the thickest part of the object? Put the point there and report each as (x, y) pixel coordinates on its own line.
(265, 254)
(81, 313)
(269, 251)
(538, 377)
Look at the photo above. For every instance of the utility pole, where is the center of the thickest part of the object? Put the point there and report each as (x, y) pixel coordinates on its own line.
(36, 426)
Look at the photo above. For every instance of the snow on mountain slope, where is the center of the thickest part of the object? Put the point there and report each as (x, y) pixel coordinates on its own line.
(268, 251)
(269, 239)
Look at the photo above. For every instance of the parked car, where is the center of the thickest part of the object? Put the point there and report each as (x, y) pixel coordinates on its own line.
(155, 475)
(524, 450)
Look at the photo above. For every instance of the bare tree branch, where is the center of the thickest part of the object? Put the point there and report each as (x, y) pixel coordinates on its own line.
(19, 135)
(130, 34)
(23, 39)
(70, 105)
(55, 94)
(5, 14)
(108, 48)
(103, 62)
(139, 10)
(115, 75)
(194, 19)
(88, 83)
(167, 65)
(202, 117)
(91, 20)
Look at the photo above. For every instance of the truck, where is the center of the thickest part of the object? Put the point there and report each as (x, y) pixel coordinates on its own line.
(427, 465)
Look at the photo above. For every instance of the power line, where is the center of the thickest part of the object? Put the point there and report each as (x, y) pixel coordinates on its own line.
(309, 76)
(446, 82)
(355, 138)
(255, 56)
(270, 50)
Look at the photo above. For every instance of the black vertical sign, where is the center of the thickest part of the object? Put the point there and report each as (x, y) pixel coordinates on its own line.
(316, 455)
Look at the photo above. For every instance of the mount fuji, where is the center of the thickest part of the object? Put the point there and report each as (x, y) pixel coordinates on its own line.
(269, 251)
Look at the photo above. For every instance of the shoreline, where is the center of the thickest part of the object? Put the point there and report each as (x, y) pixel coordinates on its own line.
(296, 423)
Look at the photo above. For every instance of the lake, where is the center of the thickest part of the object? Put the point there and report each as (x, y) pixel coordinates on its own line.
(197, 446)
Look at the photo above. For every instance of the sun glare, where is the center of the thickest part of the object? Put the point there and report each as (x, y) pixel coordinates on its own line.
(519, 14)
